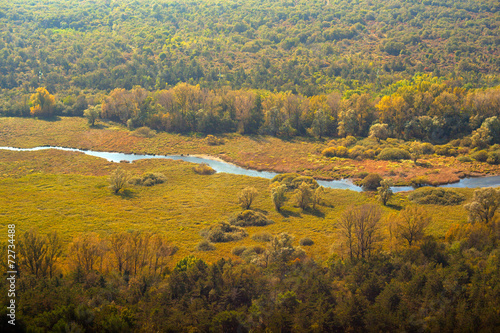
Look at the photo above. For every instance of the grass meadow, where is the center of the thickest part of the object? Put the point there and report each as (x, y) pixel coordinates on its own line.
(68, 192)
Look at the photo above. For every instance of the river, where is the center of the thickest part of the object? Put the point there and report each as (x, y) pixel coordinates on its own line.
(221, 166)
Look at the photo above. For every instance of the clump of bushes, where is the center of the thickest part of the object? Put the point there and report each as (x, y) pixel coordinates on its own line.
(464, 159)
(306, 241)
(250, 218)
(371, 182)
(293, 180)
(480, 156)
(494, 157)
(436, 196)
(248, 252)
(427, 148)
(339, 151)
(394, 154)
(204, 169)
(213, 140)
(223, 232)
(144, 132)
(238, 250)
(205, 245)
(263, 237)
(149, 179)
(446, 150)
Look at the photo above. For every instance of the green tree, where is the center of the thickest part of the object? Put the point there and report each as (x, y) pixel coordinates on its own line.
(92, 114)
(278, 196)
(379, 131)
(385, 191)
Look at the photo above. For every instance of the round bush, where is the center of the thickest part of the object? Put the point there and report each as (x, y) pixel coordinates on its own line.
(205, 245)
(393, 154)
(480, 156)
(436, 196)
(371, 182)
(306, 241)
(250, 218)
(238, 250)
(262, 237)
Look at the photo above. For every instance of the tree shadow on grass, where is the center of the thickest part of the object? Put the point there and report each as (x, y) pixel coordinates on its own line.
(316, 212)
(50, 119)
(288, 213)
(393, 206)
(99, 126)
(126, 194)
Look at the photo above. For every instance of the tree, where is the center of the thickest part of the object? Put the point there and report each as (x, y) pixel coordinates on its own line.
(360, 229)
(317, 196)
(371, 182)
(246, 197)
(411, 224)
(32, 248)
(385, 191)
(92, 113)
(87, 250)
(485, 203)
(320, 123)
(118, 179)
(42, 103)
(303, 195)
(278, 196)
(379, 132)
(416, 150)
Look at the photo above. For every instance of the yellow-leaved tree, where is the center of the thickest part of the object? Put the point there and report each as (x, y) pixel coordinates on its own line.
(42, 103)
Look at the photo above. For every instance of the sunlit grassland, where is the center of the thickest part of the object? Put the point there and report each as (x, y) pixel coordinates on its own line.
(68, 192)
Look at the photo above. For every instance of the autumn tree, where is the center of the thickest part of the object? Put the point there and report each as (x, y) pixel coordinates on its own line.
(484, 204)
(88, 251)
(411, 223)
(360, 229)
(320, 123)
(32, 250)
(42, 103)
(246, 197)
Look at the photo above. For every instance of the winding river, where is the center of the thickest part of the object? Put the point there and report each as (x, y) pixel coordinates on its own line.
(220, 166)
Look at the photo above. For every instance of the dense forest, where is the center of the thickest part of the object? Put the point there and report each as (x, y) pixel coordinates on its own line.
(279, 68)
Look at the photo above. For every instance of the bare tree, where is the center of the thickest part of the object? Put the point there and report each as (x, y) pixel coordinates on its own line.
(118, 246)
(411, 224)
(361, 230)
(54, 251)
(87, 250)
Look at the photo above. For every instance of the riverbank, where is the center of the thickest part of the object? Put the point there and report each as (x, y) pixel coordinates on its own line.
(262, 153)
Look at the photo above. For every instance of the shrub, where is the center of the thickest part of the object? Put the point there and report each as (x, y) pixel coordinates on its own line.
(494, 157)
(238, 250)
(205, 245)
(144, 132)
(306, 241)
(213, 141)
(149, 179)
(371, 182)
(393, 154)
(263, 237)
(117, 180)
(339, 151)
(203, 169)
(223, 232)
(480, 156)
(357, 152)
(464, 159)
(247, 196)
(436, 196)
(446, 150)
(427, 148)
(349, 141)
(293, 180)
(250, 218)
